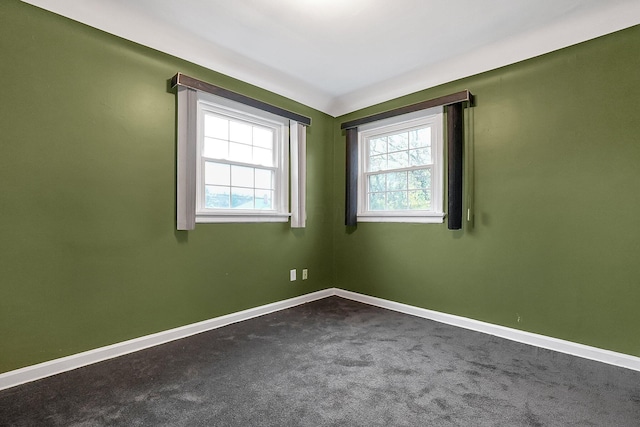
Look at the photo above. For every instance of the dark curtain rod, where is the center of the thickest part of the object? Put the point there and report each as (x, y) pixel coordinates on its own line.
(193, 83)
(453, 98)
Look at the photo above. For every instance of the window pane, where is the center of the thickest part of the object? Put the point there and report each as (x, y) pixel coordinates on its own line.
(377, 163)
(262, 156)
(377, 146)
(398, 160)
(240, 132)
(377, 182)
(216, 174)
(264, 179)
(215, 148)
(399, 142)
(216, 127)
(242, 176)
(216, 197)
(420, 156)
(420, 179)
(376, 201)
(264, 199)
(263, 137)
(419, 199)
(397, 200)
(240, 152)
(397, 181)
(420, 138)
(242, 198)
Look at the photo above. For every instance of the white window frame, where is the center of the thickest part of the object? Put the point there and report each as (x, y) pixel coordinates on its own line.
(280, 127)
(432, 117)
(190, 179)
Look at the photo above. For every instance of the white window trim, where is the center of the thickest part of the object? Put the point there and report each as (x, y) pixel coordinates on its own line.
(434, 118)
(189, 212)
(186, 159)
(280, 213)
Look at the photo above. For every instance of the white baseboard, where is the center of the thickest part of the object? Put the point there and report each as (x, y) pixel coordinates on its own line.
(57, 366)
(562, 346)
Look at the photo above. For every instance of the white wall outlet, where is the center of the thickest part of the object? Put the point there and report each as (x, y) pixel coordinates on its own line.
(305, 274)
(292, 275)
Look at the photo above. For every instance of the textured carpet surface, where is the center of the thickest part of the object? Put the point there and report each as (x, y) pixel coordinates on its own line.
(333, 362)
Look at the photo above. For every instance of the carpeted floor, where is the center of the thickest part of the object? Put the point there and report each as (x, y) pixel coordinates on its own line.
(333, 362)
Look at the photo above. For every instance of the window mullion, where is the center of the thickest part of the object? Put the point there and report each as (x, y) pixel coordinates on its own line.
(235, 163)
(408, 168)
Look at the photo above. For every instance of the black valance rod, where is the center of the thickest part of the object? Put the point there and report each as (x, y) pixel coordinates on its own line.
(453, 98)
(193, 83)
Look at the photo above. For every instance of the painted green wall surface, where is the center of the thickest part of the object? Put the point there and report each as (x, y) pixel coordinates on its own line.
(89, 255)
(553, 147)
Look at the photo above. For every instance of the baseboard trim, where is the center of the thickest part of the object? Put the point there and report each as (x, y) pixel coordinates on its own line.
(57, 366)
(542, 341)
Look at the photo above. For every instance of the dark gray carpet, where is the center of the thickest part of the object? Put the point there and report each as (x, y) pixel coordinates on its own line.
(333, 362)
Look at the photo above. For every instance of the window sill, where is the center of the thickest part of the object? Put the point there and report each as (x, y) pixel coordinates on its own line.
(241, 217)
(436, 218)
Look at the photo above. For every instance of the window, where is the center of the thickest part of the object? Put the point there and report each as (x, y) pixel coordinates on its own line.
(238, 159)
(375, 181)
(400, 168)
(242, 171)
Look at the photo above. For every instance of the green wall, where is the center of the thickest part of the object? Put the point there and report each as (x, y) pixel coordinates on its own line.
(89, 255)
(554, 156)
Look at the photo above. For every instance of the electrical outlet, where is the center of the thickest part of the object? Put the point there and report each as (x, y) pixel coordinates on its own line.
(292, 275)
(305, 274)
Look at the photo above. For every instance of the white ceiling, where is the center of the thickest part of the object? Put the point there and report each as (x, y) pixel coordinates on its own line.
(341, 55)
